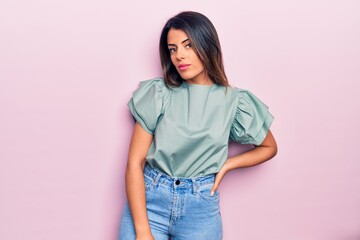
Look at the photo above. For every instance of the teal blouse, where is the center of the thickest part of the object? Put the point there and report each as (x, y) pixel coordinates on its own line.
(192, 124)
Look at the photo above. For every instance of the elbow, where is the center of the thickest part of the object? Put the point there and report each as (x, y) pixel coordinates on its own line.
(273, 150)
(272, 146)
(270, 150)
(138, 162)
(269, 143)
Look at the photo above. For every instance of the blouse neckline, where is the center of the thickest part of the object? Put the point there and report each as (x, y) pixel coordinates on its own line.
(197, 85)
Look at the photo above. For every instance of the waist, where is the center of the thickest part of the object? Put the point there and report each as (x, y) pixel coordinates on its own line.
(159, 177)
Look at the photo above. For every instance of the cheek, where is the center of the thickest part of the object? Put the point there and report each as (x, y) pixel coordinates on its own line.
(172, 58)
(198, 63)
(196, 59)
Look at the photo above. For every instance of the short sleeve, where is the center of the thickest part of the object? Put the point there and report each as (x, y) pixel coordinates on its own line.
(252, 119)
(147, 103)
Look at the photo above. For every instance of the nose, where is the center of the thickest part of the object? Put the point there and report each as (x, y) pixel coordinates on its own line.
(180, 54)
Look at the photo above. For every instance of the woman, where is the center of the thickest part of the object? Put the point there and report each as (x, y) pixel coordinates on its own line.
(179, 148)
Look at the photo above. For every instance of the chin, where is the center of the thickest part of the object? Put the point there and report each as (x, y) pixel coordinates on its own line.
(186, 76)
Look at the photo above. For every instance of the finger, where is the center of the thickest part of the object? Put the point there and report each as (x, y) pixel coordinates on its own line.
(213, 189)
(215, 186)
(218, 178)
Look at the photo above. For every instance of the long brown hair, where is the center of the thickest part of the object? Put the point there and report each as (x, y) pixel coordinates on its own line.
(205, 42)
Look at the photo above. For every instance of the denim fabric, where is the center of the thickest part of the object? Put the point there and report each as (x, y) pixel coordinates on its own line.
(177, 208)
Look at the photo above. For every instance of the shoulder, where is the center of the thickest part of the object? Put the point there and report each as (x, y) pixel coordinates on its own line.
(155, 86)
(148, 103)
(241, 92)
(153, 82)
(245, 96)
(156, 80)
(252, 118)
(236, 94)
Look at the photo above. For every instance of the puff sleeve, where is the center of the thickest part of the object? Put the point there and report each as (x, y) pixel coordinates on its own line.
(147, 103)
(252, 119)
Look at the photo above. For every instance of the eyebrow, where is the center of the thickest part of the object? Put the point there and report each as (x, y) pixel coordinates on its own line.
(171, 44)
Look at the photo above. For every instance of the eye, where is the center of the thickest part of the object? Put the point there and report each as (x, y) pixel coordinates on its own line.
(188, 45)
(172, 50)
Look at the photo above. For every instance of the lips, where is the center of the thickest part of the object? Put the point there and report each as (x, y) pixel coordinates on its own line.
(183, 67)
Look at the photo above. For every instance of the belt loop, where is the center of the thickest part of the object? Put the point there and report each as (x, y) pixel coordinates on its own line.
(158, 176)
(194, 185)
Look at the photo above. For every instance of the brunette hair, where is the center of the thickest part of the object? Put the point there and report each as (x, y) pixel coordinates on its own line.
(204, 41)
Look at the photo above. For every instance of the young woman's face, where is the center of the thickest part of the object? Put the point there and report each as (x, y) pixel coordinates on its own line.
(184, 58)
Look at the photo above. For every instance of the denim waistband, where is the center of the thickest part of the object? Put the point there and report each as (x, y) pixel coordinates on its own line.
(177, 182)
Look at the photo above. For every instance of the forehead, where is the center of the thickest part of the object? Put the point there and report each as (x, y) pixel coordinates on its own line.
(176, 36)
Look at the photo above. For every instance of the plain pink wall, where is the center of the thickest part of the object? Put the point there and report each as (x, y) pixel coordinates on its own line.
(68, 68)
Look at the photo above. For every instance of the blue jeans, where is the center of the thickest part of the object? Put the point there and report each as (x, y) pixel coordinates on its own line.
(177, 208)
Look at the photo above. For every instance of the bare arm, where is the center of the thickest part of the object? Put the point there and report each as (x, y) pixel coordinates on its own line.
(135, 185)
(265, 151)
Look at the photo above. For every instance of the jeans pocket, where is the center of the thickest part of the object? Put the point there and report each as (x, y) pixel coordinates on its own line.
(205, 194)
(148, 182)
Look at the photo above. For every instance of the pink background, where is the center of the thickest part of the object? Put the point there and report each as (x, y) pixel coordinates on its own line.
(68, 68)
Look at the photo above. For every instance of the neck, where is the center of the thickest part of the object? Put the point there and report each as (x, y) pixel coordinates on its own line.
(200, 81)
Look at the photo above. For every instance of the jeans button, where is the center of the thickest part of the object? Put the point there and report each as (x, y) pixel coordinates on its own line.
(177, 182)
